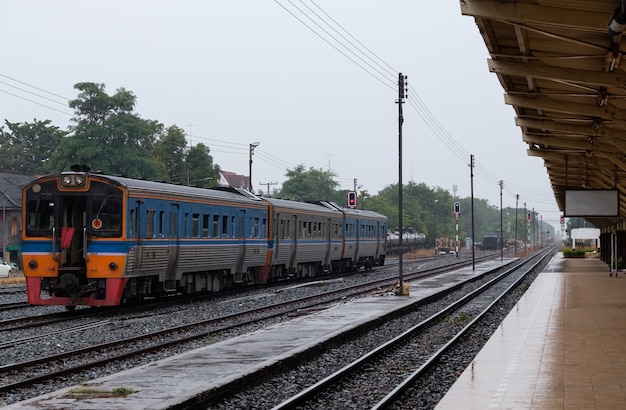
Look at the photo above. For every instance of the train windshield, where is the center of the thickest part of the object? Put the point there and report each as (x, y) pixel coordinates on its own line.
(99, 210)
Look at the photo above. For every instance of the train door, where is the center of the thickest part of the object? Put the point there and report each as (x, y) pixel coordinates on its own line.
(241, 235)
(278, 230)
(71, 234)
(136, 234)
(358, 232)
(173, 235)
(328, 232)
(379, 245)
(297, 230)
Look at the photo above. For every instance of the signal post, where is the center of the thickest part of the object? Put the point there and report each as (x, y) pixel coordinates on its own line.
(457, 214)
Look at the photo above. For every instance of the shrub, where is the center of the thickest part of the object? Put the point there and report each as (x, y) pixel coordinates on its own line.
(573, 253)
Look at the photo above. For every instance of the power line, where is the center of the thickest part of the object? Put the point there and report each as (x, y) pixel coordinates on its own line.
(36, 88)
(35, 102)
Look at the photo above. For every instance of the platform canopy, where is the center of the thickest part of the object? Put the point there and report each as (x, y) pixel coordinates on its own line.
(560, 64)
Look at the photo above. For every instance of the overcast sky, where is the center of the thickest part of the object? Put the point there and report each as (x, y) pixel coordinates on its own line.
(318, 92)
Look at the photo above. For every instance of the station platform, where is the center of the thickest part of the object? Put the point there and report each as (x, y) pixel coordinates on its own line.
(181, 378)
(562, 347)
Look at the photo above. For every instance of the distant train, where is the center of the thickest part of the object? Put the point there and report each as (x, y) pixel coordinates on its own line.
(98, 240)
(495, 240)
(410, 240)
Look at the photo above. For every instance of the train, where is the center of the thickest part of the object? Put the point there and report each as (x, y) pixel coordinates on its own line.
(102, 240)
(411, 240)
(495, 240)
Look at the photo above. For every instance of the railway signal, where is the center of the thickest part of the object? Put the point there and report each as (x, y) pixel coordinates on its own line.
(351, 199)
(457, 209)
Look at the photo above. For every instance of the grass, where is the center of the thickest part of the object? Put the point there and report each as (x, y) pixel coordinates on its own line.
(90, 392)
(17, 280)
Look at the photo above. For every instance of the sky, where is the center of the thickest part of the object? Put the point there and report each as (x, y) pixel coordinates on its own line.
(314, 83)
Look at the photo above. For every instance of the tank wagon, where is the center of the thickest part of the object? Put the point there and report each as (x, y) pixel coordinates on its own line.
(411, 240)
(99, 240)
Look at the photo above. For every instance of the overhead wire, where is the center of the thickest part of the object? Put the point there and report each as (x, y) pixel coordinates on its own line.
(323, 26)
(35, 102)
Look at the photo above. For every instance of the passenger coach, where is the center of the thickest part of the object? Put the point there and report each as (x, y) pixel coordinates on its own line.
(98, 240)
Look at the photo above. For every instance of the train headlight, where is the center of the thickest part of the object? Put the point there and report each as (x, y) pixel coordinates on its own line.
(74, 180)
(113, 266)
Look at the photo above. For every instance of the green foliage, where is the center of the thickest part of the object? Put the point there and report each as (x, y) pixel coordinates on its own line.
(573, 253)
(200, 167)
(169, 155)
(107, 136)
(27, 147)
(313, 184)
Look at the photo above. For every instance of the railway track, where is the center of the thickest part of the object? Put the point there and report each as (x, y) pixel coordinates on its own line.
(380, 377)
(49, 369)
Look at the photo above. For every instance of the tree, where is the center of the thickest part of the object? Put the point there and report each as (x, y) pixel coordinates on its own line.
(200, 167)
(27, 147)
(169, 155)
(108, 136)
(314, 184)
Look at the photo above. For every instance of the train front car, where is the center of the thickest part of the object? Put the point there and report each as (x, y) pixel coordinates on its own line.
(100, 240)
(73, 241)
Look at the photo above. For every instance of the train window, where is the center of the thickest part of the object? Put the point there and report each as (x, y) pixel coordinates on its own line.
(195, 229)
(105, 214)
(40, 216)
(264, 228)
(205, 226)
(216, 226)
(225, 226)
(161, 218)
(149, 223)
(255, 228)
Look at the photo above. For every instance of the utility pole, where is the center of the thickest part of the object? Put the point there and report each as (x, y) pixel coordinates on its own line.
(268, 186)
(516, 204)
(501, 229)
(252, 147)
(402, 85)
(472, 193)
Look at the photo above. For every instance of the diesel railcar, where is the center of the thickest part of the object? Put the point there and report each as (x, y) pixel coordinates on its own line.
(92, 239)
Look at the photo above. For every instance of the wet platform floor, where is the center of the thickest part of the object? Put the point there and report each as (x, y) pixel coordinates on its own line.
(562, 347)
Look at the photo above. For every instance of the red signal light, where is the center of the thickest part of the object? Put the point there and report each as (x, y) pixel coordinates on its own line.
(351, 199)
